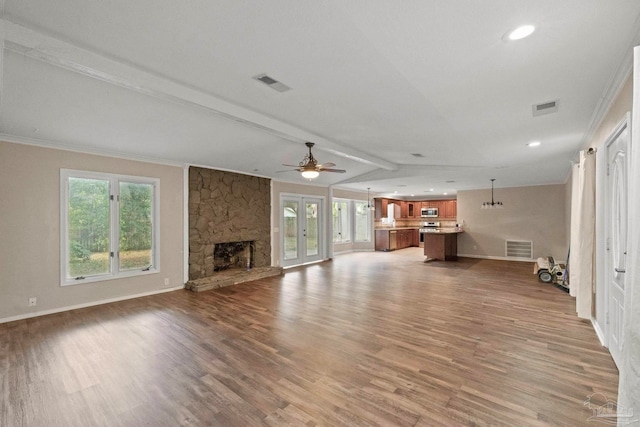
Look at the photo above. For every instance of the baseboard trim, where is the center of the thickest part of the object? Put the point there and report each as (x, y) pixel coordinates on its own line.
(599, 333)
(350, 251)
(499, 258)
(85, 305)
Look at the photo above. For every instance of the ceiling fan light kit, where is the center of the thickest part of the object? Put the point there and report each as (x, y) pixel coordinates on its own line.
(310, 174)
(309, 167)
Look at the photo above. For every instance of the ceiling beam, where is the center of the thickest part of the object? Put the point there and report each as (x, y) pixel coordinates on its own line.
(42, 47)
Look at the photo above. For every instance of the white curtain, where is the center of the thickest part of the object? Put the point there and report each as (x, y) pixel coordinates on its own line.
(583, 227)
(629, 389)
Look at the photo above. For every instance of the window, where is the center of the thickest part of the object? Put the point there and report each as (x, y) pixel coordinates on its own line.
(351, 221)
(341, 223)
(109, 226)
(362, 222)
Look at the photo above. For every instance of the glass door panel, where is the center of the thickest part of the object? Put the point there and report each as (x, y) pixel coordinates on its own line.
(302, 238)
(312, 228)
(290, 229)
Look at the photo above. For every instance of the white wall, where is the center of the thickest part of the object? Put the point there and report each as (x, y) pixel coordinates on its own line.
(30, 230)
(535, 213)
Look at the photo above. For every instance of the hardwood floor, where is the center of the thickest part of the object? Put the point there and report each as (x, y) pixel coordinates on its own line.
(367, 339)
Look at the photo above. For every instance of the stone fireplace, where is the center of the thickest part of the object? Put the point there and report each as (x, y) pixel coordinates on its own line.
(229, 223)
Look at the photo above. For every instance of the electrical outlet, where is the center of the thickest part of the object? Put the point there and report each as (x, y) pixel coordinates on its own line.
(166, 281)
(33, 301)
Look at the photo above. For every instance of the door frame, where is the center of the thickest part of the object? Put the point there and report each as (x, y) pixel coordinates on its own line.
(322, 242)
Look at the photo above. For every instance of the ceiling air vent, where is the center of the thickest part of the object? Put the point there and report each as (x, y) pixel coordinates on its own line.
(417, 155)
(545, 108)
(272, 83)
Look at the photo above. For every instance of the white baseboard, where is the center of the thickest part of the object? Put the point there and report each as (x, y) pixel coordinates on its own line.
(350, 251)
(85, 305)
(599, 333)
(499, 258)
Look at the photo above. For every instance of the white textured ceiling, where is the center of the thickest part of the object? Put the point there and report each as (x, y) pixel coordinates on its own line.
(372, 82)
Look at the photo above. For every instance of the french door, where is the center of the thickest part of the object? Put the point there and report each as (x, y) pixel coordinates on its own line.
(616, 234)
(302, 232)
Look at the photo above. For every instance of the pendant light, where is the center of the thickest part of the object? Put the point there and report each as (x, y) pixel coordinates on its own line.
(492, 204)
(370, 205)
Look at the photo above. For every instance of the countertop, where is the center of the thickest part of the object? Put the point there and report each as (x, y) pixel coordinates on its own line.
(443, 230)
(451, 230)
(396, 228)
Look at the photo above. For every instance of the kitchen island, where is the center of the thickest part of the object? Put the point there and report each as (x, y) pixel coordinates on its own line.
(441, 244)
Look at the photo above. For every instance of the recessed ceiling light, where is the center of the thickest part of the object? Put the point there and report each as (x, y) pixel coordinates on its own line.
(395, 192)
(412, 195)
(533, 144)
(519, 33)
(445, 193)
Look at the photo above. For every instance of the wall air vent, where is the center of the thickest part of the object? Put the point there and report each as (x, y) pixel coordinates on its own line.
(522, 249)
(272, 83)
(545, 108)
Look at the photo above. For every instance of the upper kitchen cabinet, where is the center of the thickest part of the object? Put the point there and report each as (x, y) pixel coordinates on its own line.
(410, 210)
(381, 208)
(413, 209)
(449, 209)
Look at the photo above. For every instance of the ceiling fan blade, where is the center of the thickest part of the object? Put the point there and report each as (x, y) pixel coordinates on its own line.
(332, 170)
(326, 165)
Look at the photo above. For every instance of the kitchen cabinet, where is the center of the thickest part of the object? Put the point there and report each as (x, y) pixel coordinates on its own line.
(447, 209)
(450, 209)
(382, 240)
(441, 246)
(412, 210)
(381, 208)
(404, 209)
(392, 239)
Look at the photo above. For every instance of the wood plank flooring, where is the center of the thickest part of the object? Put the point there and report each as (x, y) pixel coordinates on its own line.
(367, 339)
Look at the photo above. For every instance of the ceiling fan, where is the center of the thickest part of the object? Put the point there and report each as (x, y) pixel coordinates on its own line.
(309, 165)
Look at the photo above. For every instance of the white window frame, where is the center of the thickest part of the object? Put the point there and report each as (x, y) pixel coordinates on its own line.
(353, 203)
(348, 236)
(114, 181)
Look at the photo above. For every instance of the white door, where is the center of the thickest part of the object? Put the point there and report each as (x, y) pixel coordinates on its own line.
(616, 234)
(302, 236)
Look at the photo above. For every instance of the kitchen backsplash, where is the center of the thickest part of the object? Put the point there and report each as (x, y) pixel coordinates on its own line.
(418, 223)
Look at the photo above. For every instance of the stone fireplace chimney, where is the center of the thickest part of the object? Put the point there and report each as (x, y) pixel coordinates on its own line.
(228, 209)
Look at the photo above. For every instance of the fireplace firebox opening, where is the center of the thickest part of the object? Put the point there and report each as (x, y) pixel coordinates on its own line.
(233, 255)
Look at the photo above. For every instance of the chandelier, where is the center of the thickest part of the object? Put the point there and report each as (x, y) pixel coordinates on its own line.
(492, 204)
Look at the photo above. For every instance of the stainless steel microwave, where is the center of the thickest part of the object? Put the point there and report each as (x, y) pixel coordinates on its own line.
(429, 212)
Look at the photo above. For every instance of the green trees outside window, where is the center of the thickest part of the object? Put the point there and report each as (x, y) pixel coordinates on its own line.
(109, 224)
